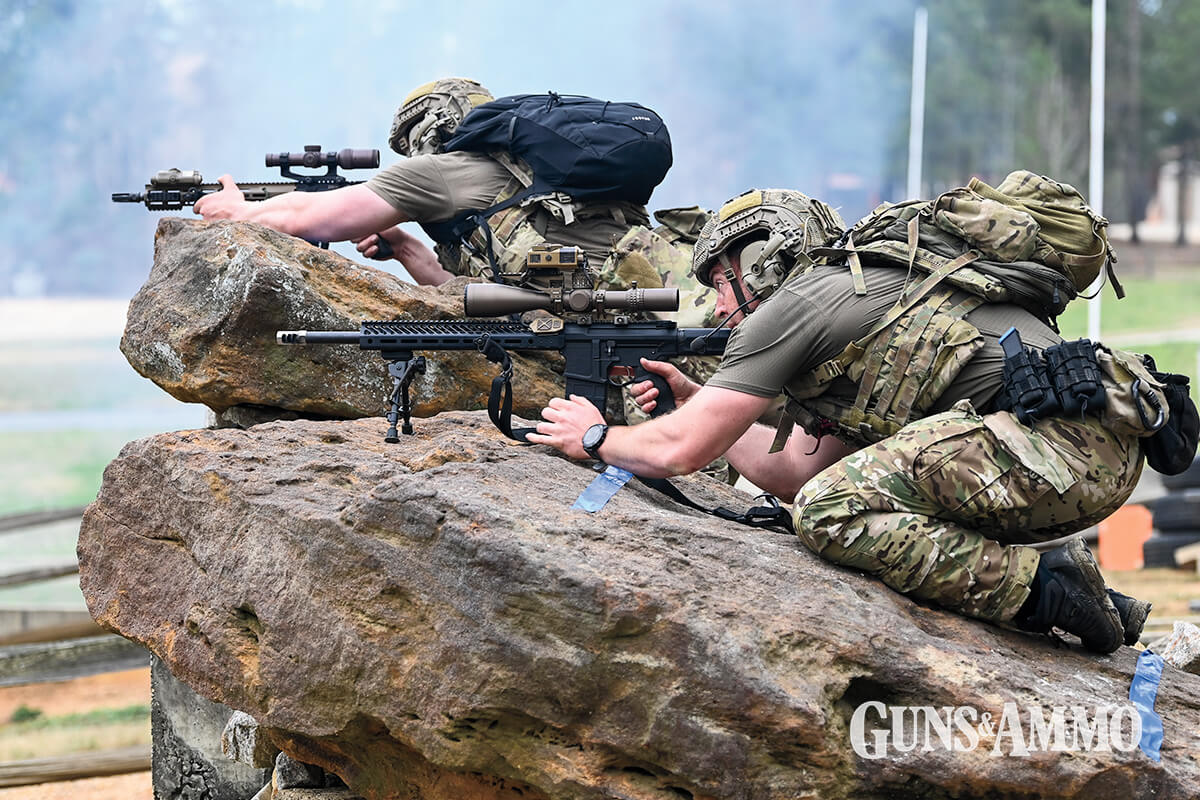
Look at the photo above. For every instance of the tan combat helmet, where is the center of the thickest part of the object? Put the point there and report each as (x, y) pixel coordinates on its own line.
(428, 116)
(777, 228)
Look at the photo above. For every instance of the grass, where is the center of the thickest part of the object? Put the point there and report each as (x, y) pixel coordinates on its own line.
(1152, 307)
(54, 469)
(38, 736)
(59, 376)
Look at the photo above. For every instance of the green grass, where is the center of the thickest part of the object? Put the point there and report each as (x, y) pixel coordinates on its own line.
(60, 593)
(1150, 305)
(31, 719)
(53, 376)
(38, 736)
(52, 469)
(1155, 308)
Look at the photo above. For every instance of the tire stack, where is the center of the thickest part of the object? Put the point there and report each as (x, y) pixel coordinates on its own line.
(1176, 517)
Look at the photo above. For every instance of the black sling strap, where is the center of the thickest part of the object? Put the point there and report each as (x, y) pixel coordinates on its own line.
(770, 515)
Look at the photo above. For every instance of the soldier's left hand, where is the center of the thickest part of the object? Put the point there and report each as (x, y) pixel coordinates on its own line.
(565, 422)
(224, 204)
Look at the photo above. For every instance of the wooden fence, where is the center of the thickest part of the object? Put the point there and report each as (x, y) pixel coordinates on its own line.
(63, 646)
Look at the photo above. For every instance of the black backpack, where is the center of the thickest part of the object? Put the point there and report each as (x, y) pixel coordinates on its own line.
(589, 149)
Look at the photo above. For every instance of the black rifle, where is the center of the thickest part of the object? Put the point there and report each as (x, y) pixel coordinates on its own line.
(597, 354)
(172, 189)
(600, 348)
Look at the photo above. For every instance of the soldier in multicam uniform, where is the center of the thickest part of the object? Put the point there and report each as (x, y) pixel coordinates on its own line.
(431, 187)
(938, 504)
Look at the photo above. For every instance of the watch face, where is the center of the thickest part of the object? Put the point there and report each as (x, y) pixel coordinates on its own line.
(594, 435)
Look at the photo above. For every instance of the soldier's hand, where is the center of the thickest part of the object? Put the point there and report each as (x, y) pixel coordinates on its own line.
(645, 393)
(565, 422)
(225, 204)
(380, 246)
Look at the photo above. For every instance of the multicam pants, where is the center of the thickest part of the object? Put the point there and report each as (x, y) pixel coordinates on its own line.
(939, 510)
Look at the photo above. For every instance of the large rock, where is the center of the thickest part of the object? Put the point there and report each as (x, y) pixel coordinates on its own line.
(431, 620)
(203, 328)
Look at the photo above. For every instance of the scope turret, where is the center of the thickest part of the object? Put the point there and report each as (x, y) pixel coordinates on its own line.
(496, 300)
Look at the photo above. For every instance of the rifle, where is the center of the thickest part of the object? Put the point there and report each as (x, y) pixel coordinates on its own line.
(172, 189)
(599, 333)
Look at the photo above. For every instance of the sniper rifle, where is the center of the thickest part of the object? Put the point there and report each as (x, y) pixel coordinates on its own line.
(172, 189)
(601, 334)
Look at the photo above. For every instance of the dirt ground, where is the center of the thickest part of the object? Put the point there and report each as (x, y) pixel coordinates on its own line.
(134, 786)
(114, 690)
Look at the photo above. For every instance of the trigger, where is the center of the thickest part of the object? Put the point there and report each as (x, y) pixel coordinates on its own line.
(620, 374)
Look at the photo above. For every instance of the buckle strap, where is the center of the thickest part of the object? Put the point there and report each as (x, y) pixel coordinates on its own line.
(769, 515)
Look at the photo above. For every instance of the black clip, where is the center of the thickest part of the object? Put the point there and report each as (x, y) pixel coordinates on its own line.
(1151, 398)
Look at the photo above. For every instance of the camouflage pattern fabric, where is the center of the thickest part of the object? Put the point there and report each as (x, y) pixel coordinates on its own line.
(939, 511)
(654, 261)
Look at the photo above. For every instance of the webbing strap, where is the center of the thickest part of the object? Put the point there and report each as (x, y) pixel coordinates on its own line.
(907, 301)
(914, 240)
(837, 365)
(771, 515)
(856, 272)
(500, 398)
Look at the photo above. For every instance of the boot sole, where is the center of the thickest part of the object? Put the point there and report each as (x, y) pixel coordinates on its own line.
(1089, 570)
(1139, 610)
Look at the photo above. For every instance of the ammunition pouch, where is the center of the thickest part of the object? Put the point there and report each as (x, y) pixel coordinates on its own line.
(1075, 373)
(1028, 391)
(1126, 392)
(1062, 381)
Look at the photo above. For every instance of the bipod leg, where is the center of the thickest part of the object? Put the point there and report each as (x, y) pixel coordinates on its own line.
(402, 373)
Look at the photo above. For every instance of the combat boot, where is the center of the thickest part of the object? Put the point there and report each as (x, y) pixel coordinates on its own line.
(1069, 593)
(1133, 613)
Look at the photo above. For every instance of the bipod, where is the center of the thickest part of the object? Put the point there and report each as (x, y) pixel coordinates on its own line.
(402, 372)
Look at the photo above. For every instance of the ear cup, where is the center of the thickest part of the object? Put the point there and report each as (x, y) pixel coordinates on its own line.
(749, 257)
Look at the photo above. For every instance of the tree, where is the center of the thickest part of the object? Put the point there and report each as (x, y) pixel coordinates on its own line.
(1172, 78)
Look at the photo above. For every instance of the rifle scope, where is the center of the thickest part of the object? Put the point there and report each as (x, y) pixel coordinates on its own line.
(313, 156)
(496, 300)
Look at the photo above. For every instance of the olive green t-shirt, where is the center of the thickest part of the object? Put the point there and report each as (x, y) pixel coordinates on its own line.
(814, 315)
(435, 188)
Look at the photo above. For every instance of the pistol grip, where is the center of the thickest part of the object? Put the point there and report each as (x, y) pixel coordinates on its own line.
(666, 398)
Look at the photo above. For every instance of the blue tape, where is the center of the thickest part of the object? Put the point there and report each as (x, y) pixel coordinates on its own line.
(601, 489)
(1142, 692)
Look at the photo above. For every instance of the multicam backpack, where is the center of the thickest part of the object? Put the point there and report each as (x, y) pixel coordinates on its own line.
(1032, 241)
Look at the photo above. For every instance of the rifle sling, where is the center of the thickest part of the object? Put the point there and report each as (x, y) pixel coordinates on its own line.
(771, 515)
(500, 397)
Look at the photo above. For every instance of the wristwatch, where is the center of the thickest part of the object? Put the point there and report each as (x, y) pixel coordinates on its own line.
(593, 437)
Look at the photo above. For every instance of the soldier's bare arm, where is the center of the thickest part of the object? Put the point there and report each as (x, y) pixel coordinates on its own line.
(339, 215)
(419, 261)
(683, 441)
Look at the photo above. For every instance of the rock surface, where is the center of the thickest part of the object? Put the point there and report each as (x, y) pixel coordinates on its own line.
(203, 328)
(1181, 647)
(431, 620)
